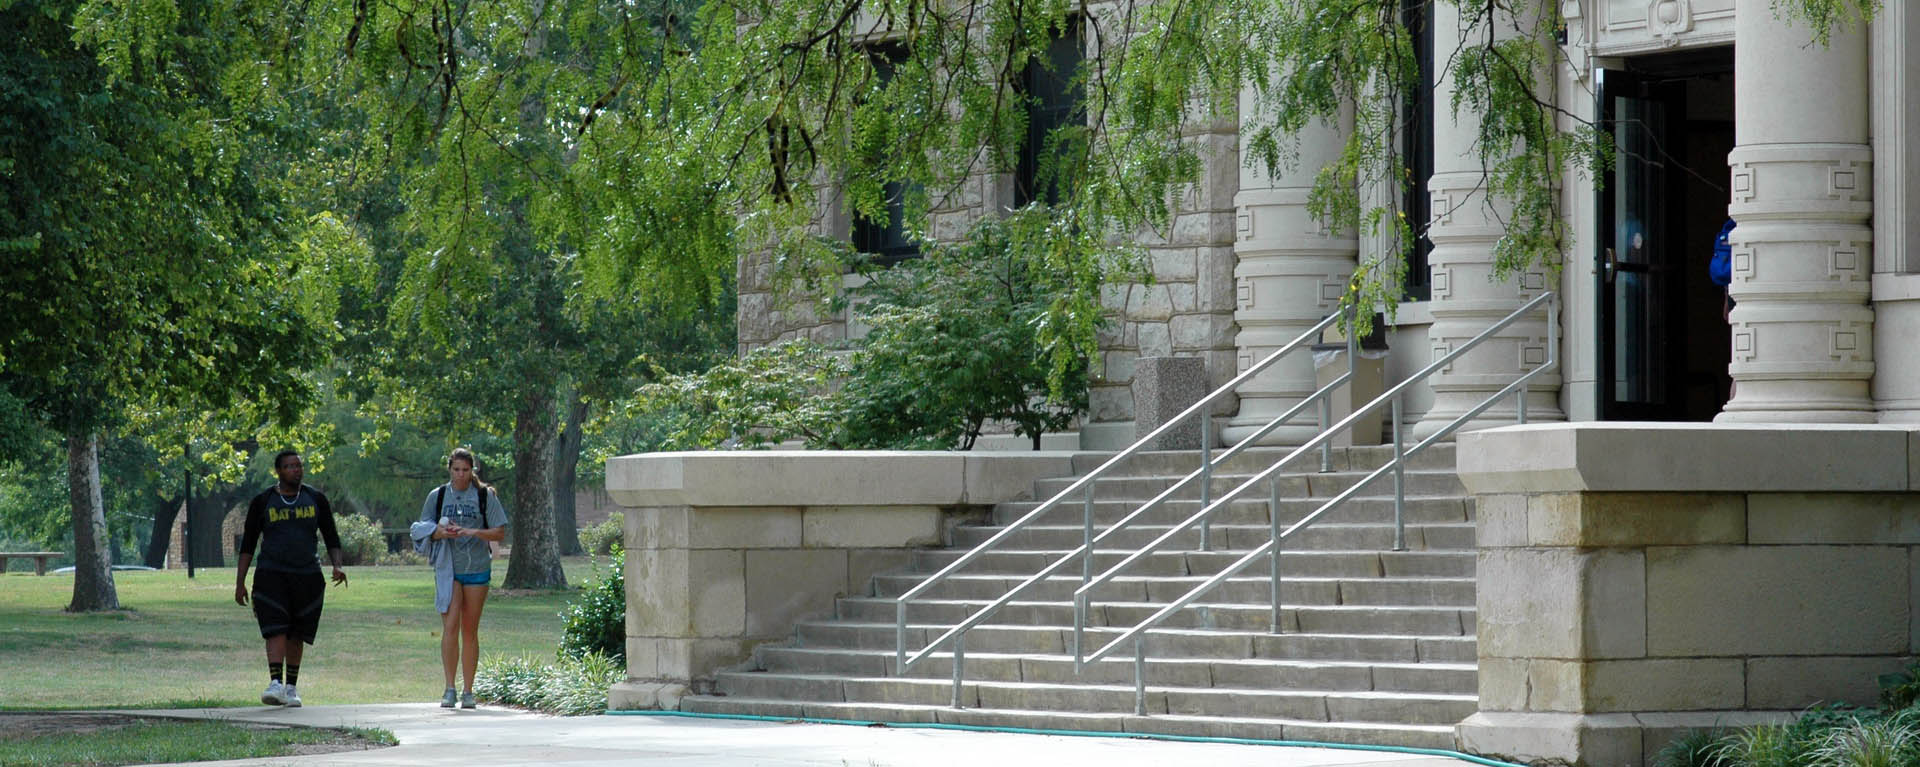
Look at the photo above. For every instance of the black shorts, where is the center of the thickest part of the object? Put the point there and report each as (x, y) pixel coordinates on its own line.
(288, 603)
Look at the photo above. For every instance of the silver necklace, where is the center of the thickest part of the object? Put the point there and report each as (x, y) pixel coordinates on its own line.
(283, 499)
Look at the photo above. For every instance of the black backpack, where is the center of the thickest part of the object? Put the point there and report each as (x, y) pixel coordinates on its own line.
(440, 502)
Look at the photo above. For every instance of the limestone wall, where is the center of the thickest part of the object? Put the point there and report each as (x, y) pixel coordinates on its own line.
(1639, 580)
(728, 550)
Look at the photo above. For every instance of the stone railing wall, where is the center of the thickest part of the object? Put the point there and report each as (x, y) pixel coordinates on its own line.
(1640, 580)
(728, 550)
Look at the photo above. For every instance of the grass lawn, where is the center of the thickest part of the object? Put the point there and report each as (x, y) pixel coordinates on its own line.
(182, 642)
(147, 742)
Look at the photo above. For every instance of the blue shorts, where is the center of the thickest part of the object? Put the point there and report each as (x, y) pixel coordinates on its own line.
(473, 579)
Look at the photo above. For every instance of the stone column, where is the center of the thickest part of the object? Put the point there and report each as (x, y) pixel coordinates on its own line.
(1466, 297)
(1803, 251)
(1291, 273)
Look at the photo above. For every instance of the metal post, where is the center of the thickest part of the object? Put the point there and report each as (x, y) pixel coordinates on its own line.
(1206, 475)
(1399, 482)
(1079, 632)
(1326, 419)
(1273, 562)
(959, 665)
(900, 637)
(1086, 538)
(1140, 674)
(186, 510)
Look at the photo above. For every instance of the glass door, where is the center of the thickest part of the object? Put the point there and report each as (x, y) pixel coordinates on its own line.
(1634, 262)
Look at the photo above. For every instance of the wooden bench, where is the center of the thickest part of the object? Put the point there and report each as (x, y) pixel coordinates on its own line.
(39, 559)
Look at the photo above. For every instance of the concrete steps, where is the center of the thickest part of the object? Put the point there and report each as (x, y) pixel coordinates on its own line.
(1376, 646)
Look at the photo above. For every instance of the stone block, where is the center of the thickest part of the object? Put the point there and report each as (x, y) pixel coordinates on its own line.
(1556, 685)
(710, 655)
(655, 527)
(858, 527)
(666, 658)
(1794, 683)
(784, 587)
(786, 478)
(1118, 366)
(751, 527)
(643, 658)
(1174, 265)
(645, 696)
(1503, 684)
(658, 601)
(1155, 339)
(1149, 302)
(1680, 684)
(1202, 331)
(1635, 519)
(717, 580)
(1110, 403)
(1214, 288)
(1605, 456)
(1501, 520)
(1777, 600)
(1561, 603)
(1596, 740)
(1871, 518)
(1162, 388)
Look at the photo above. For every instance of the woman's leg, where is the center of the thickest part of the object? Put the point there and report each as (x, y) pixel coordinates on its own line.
(472, 600)
(450, 637)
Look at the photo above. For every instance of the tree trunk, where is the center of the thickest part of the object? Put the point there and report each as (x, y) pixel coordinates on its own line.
(566, 461)
(92, 570)
(208, 515)
(535, 561)
(164, 513)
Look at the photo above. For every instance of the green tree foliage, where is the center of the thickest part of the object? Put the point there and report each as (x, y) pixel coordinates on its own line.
(144, 223)
(953, 346)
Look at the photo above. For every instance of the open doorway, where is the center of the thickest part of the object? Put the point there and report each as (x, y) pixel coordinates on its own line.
(1664, 344)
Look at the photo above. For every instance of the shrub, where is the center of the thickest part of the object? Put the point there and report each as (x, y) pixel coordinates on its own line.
(599, 540)
(1899, 690)
(568, 686)
(400, 558)
(596, 623)
(1770, 745)
(361, 542)
(957, 339)
(1697, 748)
(1871, 742)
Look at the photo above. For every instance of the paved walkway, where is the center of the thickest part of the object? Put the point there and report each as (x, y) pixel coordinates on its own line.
(434, 737)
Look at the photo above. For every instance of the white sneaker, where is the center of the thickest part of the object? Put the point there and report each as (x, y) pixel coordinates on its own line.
(293, 697)
(275, 694)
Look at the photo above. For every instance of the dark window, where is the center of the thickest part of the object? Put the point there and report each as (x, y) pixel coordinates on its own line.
(1057, 101)
(886, 240)
(1416, 148)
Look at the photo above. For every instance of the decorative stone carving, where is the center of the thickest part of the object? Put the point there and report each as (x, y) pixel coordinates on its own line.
(1669, 19)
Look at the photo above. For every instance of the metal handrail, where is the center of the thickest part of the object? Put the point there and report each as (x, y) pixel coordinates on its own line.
(1203, 411)
(1271, 548)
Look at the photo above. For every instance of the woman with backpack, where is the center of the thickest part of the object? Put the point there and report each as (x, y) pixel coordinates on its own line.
(457, 523)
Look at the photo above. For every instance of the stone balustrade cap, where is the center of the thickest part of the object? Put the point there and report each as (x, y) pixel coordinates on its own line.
(1690, 457)
(830, 477)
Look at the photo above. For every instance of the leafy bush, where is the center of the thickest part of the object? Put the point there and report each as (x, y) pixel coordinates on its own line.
(957, 340)
(1697, 748)
(1901, 689)
(596, 623)
(401, 558)
(361, 542)
(600, 540)
(1892, 741)
(1769, 745)
(567, 687)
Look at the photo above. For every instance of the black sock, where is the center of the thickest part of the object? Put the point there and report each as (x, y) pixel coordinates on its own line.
(293, 674)
(273, 671)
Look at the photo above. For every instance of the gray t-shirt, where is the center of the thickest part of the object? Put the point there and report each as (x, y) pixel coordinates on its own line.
(462, 507)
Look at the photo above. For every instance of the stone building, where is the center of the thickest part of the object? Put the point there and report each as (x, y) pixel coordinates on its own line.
(1630, 579)
(1801, 144)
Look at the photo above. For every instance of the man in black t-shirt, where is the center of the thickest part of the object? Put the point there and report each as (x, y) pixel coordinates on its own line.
(285, 522)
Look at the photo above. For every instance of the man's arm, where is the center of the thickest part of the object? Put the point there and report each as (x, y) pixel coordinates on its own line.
(249, 538)
(323, 515)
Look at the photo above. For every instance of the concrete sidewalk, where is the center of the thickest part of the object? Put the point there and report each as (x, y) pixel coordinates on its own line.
(434, 737)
